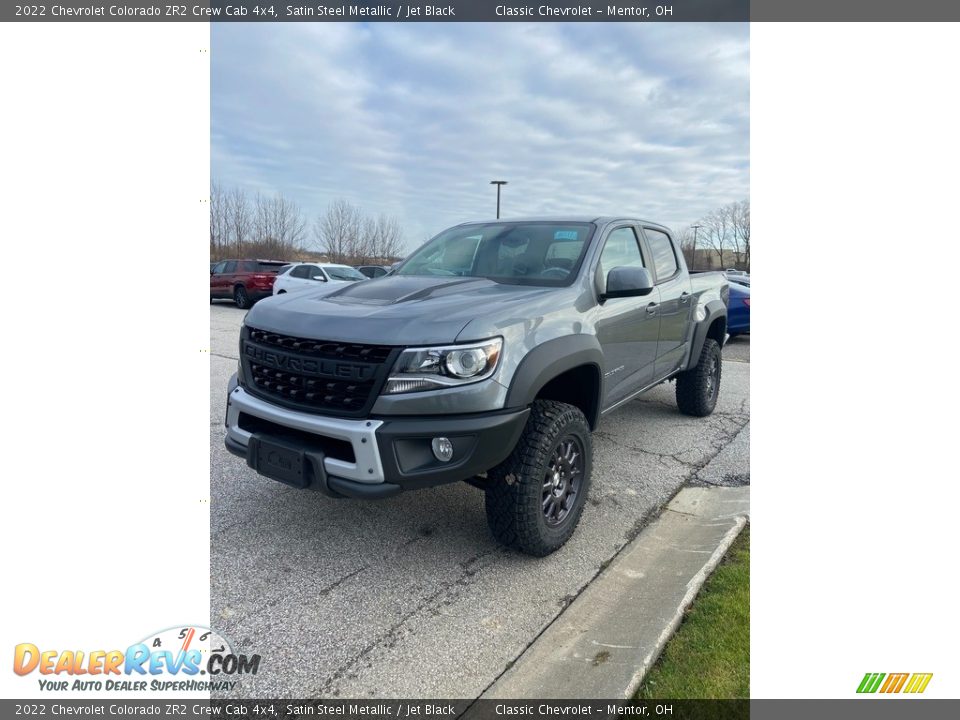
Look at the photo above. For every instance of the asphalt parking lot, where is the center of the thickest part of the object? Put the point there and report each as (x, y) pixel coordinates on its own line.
(410, 596)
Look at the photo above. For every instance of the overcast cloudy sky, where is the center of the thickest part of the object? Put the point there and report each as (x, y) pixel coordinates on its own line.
(415, 119)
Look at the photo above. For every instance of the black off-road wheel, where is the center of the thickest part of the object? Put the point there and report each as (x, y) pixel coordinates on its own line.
(536, 496)
(240, 297)
(699, 387)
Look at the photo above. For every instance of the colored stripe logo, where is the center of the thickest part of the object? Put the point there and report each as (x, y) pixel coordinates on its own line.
(894, 682)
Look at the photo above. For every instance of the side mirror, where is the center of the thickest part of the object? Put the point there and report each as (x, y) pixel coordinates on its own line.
(628, 282)
(321, 278)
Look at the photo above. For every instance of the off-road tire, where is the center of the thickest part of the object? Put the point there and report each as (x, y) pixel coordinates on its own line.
(699, 387)
(240, 297)
(516, 492)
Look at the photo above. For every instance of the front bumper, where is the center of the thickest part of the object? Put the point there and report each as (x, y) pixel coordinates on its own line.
(375, 457)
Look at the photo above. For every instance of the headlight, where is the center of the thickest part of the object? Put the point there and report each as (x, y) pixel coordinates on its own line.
(432, 368)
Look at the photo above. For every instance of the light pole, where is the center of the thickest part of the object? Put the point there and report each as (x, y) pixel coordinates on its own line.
(498, 183)
(693, 257)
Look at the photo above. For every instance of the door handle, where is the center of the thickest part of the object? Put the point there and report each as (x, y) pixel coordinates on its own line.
(652, 309)
(684, 297)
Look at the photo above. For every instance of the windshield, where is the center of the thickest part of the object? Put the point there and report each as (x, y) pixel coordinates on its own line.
(344, 273)
(525, 253)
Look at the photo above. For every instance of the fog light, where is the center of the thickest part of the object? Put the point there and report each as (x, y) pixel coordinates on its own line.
(442, 449)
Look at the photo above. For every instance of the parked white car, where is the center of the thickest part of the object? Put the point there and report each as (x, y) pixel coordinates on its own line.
(301, 276)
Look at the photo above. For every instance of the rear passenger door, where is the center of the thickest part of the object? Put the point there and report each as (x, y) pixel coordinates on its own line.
(227, 278)
(675, 301)
(299, 276)
(627, 328)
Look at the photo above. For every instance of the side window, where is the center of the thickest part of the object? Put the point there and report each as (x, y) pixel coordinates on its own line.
(313, 271)
(300, 271)
(664, 260)
(621, 249)
(218, 269)
(230, 267)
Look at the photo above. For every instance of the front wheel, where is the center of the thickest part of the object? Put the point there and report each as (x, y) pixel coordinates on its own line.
(699, 387)
(536, 496)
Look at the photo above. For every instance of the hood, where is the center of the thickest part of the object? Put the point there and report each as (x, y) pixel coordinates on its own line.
(395, 310)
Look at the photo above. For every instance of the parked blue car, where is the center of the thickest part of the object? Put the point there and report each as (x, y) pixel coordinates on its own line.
(738, 314)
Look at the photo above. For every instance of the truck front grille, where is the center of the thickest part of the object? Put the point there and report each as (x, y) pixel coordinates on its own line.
(315, 375)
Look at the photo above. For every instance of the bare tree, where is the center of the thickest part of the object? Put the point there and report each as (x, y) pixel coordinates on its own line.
(383, 238)
(337, 230)
(289, 225)
(274, 226)
(364, 248)
(715, 232)
(685, 239)
(277, 225)
(740, 224)
(218, 221)
(238, 218)
(260, 221)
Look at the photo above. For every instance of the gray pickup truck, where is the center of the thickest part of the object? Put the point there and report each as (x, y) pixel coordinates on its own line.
(488, 356)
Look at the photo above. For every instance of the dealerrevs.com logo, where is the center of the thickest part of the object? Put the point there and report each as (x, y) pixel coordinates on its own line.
(182, 659)
(885, 683)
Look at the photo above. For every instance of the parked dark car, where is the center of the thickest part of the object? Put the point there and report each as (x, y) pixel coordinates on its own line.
(373, 271)
(243, 281)
(738, 277)
(738, 314)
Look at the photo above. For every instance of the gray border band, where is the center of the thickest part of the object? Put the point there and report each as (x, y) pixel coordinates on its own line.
(486, 11)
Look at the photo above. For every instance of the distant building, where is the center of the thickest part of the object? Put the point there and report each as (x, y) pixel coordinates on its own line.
(708, 259)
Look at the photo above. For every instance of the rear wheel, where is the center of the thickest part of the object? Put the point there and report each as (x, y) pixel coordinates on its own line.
(536, 496)
(699, 387)
(240, 297)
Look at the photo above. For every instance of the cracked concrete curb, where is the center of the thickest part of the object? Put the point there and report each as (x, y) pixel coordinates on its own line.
(605, 642)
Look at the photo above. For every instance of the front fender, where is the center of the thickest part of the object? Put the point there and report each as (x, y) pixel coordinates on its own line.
(553, 358)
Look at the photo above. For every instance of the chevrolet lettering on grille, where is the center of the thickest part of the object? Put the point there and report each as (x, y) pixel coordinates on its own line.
(309, 366)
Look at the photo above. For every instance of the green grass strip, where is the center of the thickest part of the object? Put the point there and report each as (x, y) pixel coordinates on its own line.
(709, 656)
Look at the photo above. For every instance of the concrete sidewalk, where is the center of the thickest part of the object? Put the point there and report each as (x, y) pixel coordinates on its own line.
(604, 643)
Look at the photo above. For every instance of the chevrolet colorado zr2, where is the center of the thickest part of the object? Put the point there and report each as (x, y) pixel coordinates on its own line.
(488, 356)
